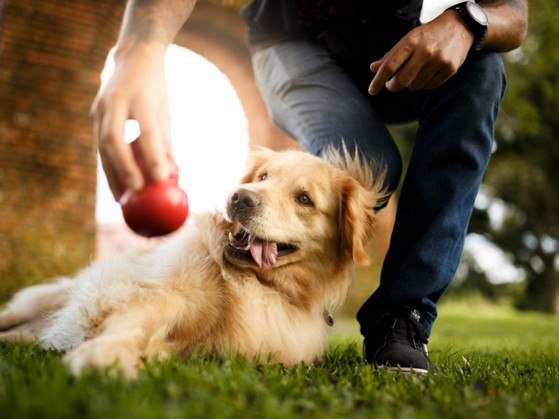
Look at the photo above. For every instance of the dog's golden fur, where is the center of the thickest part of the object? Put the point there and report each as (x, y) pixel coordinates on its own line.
(260, 281)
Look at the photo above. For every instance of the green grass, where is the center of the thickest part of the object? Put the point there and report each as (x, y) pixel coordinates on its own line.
(493, 362)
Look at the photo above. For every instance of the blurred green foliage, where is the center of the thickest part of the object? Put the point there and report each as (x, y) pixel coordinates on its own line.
(522, 177)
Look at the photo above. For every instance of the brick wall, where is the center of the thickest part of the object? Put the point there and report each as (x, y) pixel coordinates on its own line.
(51, 55)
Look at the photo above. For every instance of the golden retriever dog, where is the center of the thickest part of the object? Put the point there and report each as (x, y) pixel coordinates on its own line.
(262, 280)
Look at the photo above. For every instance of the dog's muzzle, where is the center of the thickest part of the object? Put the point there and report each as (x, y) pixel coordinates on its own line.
(242, 201)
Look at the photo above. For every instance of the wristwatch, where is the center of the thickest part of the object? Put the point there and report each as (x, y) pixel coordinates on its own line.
(475, 17)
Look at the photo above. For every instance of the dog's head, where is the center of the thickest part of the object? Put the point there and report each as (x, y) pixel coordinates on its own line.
(295, 208)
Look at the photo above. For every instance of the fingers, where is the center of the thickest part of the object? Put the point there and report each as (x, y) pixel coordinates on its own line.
(416, 77)
(154, 144)
(412, 71)
(117, 158)
(395, 71)
(384, 70)
(152, 160)
(128, 167)
(423, 59)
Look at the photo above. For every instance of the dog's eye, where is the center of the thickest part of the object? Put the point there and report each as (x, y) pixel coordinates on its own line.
(304, 199)
(262, 176)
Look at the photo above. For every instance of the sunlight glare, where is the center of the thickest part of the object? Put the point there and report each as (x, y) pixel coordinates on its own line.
(209, 133)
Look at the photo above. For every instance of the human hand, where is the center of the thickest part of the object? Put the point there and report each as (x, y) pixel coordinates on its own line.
(136, 90)
(426, 57)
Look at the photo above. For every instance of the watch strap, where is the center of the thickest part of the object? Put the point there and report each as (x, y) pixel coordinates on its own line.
(479, 30)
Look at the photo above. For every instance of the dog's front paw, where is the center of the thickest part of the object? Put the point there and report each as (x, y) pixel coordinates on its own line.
(104, 353)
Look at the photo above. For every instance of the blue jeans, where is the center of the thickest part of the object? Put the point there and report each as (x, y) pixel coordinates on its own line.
(318, 101)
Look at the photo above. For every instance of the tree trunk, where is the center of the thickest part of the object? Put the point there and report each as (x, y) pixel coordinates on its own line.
(542, 290)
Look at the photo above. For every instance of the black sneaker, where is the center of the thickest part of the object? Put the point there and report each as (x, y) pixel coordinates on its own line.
(399, 343)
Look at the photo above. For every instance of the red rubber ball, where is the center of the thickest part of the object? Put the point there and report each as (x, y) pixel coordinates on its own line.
(158, 209)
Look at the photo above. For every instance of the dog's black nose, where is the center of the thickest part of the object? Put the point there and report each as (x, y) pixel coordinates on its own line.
(244, 199)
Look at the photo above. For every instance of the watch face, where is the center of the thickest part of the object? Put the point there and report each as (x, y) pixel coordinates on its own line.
(477, 13)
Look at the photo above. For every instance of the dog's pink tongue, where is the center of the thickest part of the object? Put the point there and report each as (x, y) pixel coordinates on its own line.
(264, 253)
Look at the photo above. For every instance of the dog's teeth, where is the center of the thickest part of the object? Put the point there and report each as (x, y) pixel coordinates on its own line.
(235, 243)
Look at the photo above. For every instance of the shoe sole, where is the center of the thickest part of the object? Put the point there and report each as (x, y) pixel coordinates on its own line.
(407, 371)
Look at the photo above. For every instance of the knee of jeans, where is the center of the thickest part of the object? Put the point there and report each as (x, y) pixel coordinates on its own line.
(492, 78)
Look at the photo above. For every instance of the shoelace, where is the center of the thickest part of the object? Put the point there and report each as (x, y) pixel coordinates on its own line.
(406, 329)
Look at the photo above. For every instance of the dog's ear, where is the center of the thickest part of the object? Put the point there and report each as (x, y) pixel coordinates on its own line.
(256, 158)
(357, 218)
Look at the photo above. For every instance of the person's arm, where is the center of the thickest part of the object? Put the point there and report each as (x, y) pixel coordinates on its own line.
(508, 23)
(432, 53)
(137, 90)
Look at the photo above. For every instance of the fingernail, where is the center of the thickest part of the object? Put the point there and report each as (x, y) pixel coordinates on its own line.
(134, 183)
(162, 173)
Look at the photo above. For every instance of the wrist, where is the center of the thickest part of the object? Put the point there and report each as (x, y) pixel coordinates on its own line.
(152, 50)
(475, 19)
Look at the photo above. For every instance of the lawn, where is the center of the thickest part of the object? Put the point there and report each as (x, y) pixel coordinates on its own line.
(493, 362)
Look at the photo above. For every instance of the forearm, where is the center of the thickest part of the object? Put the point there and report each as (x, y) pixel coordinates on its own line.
(153, 22)
(508, 23)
